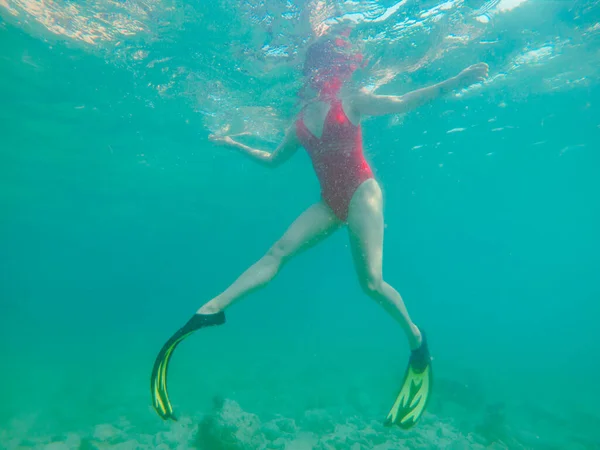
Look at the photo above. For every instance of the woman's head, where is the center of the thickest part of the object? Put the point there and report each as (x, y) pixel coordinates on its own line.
(330, 62)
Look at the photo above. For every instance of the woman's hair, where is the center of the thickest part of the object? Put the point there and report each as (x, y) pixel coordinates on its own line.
(328, 63)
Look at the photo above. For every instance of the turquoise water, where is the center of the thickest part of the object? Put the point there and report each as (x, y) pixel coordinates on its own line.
(119, 219)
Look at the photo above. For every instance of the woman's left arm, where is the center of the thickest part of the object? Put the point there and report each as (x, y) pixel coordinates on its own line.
(378, 105)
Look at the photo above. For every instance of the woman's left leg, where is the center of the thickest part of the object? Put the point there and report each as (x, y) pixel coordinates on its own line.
(365, 226)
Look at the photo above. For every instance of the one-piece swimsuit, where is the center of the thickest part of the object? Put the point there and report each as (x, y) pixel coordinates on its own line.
(337, 157)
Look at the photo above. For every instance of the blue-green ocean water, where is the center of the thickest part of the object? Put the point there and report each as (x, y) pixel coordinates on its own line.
(119, 218)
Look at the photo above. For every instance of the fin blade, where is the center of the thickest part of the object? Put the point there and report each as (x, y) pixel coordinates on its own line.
(412, 399)
(158, 388)
(158, 379)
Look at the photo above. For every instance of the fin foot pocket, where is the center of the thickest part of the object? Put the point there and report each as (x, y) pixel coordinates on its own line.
(158, 380)
(415, 391)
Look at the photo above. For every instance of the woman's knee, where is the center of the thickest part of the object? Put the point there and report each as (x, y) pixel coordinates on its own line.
(372, 284)
(279, 252)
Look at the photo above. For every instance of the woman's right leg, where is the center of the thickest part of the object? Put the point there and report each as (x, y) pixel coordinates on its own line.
(311, 227)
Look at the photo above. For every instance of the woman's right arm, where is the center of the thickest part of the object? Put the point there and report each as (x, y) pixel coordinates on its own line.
(281, 154)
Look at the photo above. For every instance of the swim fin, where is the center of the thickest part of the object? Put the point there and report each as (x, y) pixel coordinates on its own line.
(415, 391)
(158, 381)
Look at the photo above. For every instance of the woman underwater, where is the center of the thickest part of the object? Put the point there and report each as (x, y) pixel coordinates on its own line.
(328, 128)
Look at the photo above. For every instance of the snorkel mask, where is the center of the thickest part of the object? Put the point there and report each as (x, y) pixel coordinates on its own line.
(331, 62)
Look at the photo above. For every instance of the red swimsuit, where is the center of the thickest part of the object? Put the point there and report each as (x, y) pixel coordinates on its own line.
(337, 158)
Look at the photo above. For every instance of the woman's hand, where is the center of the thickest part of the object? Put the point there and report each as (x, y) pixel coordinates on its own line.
(473, 74)
(221, 140)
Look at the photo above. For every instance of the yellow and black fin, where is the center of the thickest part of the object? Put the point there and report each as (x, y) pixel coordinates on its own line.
(415, 391)
(158, 380)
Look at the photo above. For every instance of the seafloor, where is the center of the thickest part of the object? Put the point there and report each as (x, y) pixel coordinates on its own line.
(229, 427)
